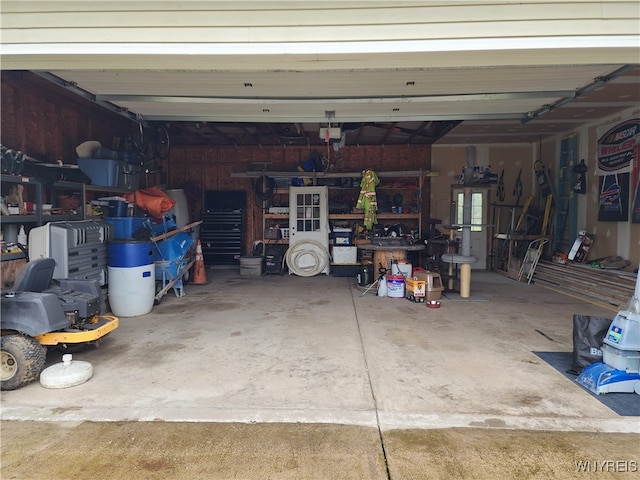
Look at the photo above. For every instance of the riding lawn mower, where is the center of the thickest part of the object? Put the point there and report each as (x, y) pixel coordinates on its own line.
(39, 313)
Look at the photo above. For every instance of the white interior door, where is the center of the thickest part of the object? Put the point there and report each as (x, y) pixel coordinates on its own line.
(308, 215)
(309, 226)
(479, 216)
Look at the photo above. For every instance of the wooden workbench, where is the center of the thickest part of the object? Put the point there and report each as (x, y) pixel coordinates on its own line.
(383, 255)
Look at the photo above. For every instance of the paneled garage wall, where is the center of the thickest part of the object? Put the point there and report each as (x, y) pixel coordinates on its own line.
(210, 168)
(611, 238)
(47, 123)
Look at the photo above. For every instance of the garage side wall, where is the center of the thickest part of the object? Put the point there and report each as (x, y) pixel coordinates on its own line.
(49, 123)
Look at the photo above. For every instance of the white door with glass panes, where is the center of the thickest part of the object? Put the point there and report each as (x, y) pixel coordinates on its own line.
(308, 218)
(479, 231)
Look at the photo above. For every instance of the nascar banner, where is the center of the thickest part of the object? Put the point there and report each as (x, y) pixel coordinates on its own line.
(617, 146)
(635, 212)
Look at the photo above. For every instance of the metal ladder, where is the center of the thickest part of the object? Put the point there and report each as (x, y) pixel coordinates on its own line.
(531, 258)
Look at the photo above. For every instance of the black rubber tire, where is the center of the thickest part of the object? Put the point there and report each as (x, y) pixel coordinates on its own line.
(22, 360)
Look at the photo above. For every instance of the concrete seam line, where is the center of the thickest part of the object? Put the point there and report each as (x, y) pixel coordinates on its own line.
(373, 395)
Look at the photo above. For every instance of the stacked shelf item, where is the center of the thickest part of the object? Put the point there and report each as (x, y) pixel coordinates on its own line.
(344, 254)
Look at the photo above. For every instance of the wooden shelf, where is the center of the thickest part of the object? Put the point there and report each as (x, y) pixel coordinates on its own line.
(410, 173)
(517, 237)
(5, 257)
(360, 216)
(418, 177)
(406, 216)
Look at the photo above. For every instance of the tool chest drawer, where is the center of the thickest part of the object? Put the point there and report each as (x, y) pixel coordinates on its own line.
(221, 235)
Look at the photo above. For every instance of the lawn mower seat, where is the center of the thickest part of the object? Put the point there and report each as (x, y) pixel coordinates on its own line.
(74, 295)
(35, 276)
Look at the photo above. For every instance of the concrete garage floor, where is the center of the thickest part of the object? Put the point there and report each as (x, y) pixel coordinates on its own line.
(292, 377)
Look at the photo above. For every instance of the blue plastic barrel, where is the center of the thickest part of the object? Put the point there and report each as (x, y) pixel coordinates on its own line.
(126, 253)
(131, 277)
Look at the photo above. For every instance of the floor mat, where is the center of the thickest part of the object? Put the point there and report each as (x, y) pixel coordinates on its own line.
(455, 297)
(624, 404)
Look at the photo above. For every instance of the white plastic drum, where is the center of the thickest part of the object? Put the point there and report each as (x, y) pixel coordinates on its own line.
(181, 210)
(131, 277)
(132, 290)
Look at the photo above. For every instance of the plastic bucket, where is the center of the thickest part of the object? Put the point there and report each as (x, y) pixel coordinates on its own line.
(251, 266)
(129, 253)
(395, 286)
(365, 275)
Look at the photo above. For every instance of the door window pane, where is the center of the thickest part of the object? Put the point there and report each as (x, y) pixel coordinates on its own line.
(476, 210)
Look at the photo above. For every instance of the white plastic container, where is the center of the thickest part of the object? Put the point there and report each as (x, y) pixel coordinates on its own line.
(22, 236)
(395, 286)
(131, 290)
(621, 359)
(401, 268)
(344, 254)
(181, 208)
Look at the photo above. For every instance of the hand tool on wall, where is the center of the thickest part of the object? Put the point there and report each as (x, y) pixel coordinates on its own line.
(544, 180)
(501, 187)
(517, 190)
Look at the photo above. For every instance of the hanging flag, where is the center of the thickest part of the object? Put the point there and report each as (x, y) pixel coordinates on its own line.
(616, 147)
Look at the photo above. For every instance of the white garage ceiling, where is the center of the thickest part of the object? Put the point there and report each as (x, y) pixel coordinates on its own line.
(397, 106)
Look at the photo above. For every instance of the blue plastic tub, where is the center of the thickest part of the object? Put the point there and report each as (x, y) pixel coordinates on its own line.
(102, 171)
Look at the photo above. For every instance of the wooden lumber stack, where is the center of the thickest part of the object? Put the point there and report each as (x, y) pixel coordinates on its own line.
(611, 289)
